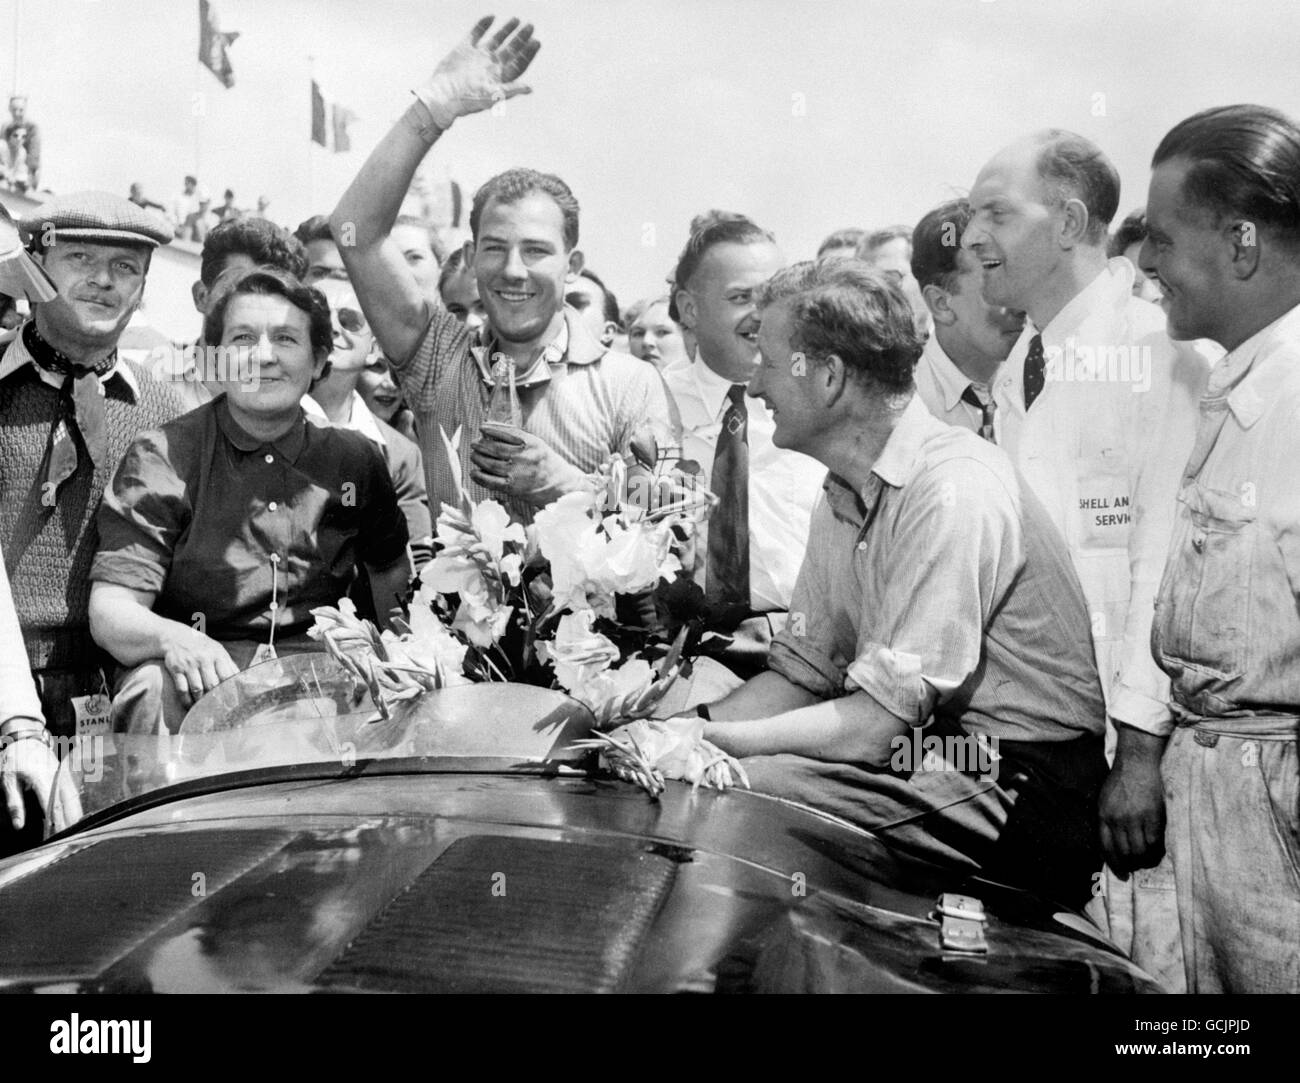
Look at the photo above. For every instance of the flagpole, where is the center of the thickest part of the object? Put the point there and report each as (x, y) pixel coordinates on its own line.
(311, 143)
(18, 26)
(198, 107)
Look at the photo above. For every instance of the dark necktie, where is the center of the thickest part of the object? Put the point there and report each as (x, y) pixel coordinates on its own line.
(81, 407)
(972, 398)
(727, 577)
(1035, 371)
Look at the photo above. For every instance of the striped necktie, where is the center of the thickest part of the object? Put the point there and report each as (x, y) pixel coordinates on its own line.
(986, 408)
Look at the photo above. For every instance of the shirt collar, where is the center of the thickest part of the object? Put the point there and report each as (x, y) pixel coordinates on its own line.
(572, 345)
(711, 388)
(1250, 374)
(951, 380)
(1107, 292)
(893, 467)
(16, 355)
(361, 419)
(289, 445)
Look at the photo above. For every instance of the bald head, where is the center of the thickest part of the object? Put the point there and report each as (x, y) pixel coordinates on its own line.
(1041, 207)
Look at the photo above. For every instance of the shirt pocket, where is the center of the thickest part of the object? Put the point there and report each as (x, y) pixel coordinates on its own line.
(1206, 606)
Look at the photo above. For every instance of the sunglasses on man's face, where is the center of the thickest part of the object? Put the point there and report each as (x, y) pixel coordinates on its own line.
(351, 320)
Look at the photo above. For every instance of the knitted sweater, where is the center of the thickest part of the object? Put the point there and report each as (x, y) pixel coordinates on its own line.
(49, 539)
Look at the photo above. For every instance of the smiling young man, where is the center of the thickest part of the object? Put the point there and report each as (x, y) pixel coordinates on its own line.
(580, 402)
(1097, 408)
(970, 338)
(222, 530)
(69, 408)
(934, 594)
(1223, 216)
(747, 555)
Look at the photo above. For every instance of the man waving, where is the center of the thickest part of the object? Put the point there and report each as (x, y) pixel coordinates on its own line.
(579, 401)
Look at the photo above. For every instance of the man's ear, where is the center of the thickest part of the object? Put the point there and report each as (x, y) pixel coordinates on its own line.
(833, 376)
(1243, 236)
(938, 301)
(686, 309)
(1074, 224)
(200, 294)
(576, 261)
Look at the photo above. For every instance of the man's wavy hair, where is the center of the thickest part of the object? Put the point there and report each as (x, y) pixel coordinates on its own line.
(272, 282)
(709, 229)
(1243, 162)
(514, 184)
(265, 243)
(847, 308)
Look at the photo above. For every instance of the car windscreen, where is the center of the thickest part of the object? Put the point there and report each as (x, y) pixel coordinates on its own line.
(307, 709)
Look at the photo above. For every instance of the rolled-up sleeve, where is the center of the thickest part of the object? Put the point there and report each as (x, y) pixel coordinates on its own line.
(959, 545)
(144, 512)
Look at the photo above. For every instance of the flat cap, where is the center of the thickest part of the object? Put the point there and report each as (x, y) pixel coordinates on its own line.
(97, 216)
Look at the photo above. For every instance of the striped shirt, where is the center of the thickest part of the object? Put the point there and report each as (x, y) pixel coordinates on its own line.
(943, 589)
(584, 401)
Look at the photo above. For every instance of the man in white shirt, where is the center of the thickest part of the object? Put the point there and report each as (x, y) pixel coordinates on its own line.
(970, 338)
(724, 262)
(190, 211)
(1224, 246)
(1098, 411)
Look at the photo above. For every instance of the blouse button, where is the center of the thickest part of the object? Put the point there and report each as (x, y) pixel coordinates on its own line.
(272, 506)
(270, 458)
(862, 546)
(1198, 541)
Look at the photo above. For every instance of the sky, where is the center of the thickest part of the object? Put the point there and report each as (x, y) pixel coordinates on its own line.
(808, 115)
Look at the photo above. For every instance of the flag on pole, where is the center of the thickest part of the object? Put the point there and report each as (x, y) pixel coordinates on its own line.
(457, 202)
(343, 116)
(214, 45)
(318, 132)
(330, 121)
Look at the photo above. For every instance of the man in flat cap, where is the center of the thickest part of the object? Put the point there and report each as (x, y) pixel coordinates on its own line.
(69, 407)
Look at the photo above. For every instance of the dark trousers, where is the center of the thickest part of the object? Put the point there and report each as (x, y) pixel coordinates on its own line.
(1034, 825)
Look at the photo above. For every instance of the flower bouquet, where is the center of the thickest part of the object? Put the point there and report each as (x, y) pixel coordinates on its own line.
(542, 605)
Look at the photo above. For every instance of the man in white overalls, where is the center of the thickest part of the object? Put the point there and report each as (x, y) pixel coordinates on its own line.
(1097, 408)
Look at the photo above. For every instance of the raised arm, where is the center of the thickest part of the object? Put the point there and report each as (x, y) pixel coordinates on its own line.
(477, 73)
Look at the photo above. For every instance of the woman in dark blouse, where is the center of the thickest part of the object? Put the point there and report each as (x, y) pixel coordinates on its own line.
(224, 528)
